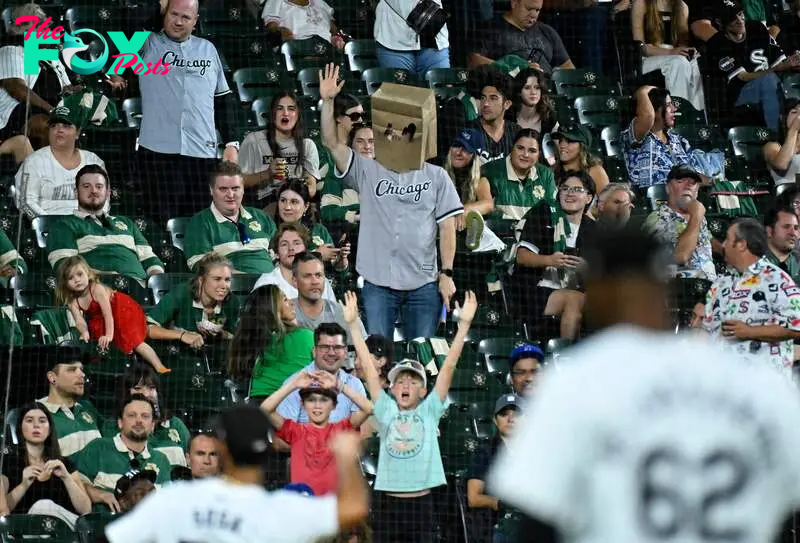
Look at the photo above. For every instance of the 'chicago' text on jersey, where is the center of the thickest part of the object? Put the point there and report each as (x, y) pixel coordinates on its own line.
(171, 59)
(385, 187)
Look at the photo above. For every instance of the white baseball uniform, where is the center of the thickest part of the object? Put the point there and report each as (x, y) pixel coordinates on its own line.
(644, 437)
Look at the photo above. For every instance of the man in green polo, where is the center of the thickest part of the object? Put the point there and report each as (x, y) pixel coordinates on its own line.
(104, 461)
(783, 231)
(241, 234)
(76, 420)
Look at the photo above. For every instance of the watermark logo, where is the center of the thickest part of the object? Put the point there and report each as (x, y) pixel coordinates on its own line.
(39, 35)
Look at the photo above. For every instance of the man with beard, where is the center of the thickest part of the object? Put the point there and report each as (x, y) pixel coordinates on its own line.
(110, 244)
(104, 461)
(76, 419)
(614, 204)
(782, 228)
(650, 145)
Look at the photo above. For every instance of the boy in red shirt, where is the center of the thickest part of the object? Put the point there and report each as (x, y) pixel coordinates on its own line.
(311, 461)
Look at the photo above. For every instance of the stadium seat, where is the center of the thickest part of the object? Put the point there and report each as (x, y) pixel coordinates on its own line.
(34, 290)
(35, 529)
(41, 225)
(308, 79)
(791, 86)
(748, 142)
(258, 109)
(309, 53)
(252, 83)
(685, 113)
(701, 136)
(611, 144)
(246, 48)
(496, 350)
(10, 422)
(577, 83)
(361, 55)
(99, 17)
(129, 286)
(656, 194)
(222, 19)
(160, 285)
(447, 82)
(90, 528)
(242, 284)
(599, 111)
(132, 110)
(375, 77)
(176, 227)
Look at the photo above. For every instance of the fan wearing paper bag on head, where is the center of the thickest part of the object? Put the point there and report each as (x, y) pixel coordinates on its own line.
(405, 203)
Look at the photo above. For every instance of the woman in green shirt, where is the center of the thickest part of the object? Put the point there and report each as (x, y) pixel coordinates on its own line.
(200, 309)
(268, 346)
(171, 436)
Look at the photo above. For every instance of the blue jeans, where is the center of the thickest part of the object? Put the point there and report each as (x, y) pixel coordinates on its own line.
(765, 91)
(499, 537)
(416, 62)
(420, 308)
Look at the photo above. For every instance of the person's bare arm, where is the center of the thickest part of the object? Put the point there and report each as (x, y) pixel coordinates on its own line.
(465, 316)
(684, 38)
(270, 405)
(101, 496)
(363, 403)
(251, 180)
(477, 497)
(17, 89)
(476, 60)
(687, 241)
(568, 65)
(645, 114)
(329, 88)
(285, 33)
(80, 322)
(352, 494)
(484, 203)
(103, 297)
(311, 183)
(371, 375)
(447, 254)
(703, 30)
(599, 176)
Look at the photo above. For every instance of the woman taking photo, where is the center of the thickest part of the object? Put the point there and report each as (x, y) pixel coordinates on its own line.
(662, 29)
(292, 238)
(534, 107)
(199, 310)
(268, 346)
(281, 151)
(574, 155)
(783, 159)
(36, 478)
(294, 205)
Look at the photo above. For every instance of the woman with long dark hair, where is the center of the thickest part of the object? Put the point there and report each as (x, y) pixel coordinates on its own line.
(533, 105)
(268, 346)
(281, 151)
(36, 478)
(171, 436)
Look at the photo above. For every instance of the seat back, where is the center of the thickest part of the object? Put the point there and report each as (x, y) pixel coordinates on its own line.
(176, 227)
(576, 83)
(312, 52)
(748, 143)
(375, 77)
(656, 194)
(308, 78)
(252, 83)
(41, 225)
(132, 110)
(160, 285)
(35, 529)
(611, 143)
(91, 528)
(361, 55)
(599, 111)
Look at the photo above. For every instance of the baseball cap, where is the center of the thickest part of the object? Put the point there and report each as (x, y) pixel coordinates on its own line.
(244, 430)
(379, 346)
(411, 366)
(526, 350)
(729, 10)
(507, 400)
(683, 170)
(306, 392)
(125, 482)
(468, 139)
(575, 132)
(62, 114)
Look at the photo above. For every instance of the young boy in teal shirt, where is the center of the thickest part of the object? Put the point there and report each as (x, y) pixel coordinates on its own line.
(409, 463)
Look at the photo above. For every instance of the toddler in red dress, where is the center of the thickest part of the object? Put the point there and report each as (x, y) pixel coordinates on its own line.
(104, 314)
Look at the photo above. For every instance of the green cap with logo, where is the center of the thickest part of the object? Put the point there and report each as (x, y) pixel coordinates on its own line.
(63, 114)
(575, 132)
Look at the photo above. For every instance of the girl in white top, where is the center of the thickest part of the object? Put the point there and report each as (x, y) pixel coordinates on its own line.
(301, 19)
(292, 238)
(784, 159)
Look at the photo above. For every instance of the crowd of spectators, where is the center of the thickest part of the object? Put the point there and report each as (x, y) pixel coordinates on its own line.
(289, 209)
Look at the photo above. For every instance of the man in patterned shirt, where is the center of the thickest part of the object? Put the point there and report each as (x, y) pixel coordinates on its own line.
(757, 307)
(651, 147)
(681, 223)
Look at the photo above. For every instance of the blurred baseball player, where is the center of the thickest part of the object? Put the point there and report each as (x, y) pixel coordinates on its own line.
(648, 437)
(235, 507)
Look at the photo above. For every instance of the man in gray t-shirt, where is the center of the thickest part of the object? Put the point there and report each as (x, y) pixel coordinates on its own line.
(401, 215)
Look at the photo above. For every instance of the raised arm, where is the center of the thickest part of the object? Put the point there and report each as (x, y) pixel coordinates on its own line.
(329, 88)
(332, 382)
(350, 311)
(465, 316)
(645, 114)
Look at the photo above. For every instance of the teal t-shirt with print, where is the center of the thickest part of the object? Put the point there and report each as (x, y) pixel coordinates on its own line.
(409, 460)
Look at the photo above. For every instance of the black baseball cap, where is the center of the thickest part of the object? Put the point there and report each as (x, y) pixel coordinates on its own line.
(681, 171)
(728, 11)
(245, 431)
(125, 482)
(379, 346)
(628, 251)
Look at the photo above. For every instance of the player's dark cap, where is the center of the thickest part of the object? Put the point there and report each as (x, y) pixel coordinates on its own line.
(127, 481)
(682, 171)
(244, 429)
(526, 350)
(625, 252)
(327, 392)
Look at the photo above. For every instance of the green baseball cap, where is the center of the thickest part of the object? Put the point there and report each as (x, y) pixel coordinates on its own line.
(575, 132)
(62, 114)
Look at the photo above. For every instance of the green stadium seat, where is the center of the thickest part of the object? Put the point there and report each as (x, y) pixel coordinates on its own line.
(685, 113)
(599, 111)
(99, 17)
(616, 169)
(447, 82)
(218, 19)
(34, 290)
(10, 423)
(132, 111)
(656, 194)
(313, 52)
(160, 285)
(374, 77)
(176, 227)
(35, 529)
(41, 225)
(258, 109)
(129, 286)
(577, 83)
(701, 136)
(247, 48)
(748, 142)
(242, 284)
(90, 528)
(361, 55)
(496, 350)
(611, 144)
(718, 224)
(308, 79)
(458, 440)
(556, 345)
(791, 86)
(252, 83)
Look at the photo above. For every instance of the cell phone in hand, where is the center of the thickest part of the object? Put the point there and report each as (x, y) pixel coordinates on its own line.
(343, 241)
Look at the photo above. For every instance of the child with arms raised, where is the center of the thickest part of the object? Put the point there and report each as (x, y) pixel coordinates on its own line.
(311, 461)
(110, 316)
(409, 464)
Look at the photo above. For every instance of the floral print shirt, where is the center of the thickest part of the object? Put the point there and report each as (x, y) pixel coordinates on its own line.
(762, 295)
(667, 226)
(650, 160)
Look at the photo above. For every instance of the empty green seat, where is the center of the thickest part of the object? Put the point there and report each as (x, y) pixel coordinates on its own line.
(598, 111)
(308, 79)
(447, 82)
(576, 83)
(361, 55)
(313, 52)
(35, 529)
(748, 142)
(252, 83)
(132, 111)
(176, 227)
(375, 77)
(160, 285)
(90, 528)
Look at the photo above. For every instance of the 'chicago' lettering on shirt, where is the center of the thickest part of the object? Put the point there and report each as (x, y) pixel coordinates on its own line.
(386, 187)
(171, 59)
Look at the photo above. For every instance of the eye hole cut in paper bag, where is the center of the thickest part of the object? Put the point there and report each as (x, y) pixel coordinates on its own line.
(404, 124)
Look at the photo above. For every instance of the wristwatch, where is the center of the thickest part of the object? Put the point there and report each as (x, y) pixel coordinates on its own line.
(447, 272)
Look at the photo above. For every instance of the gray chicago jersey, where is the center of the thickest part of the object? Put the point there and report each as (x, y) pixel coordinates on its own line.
(400, 213)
